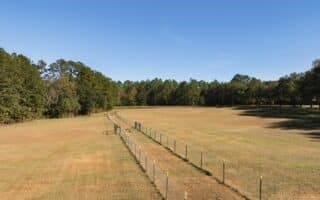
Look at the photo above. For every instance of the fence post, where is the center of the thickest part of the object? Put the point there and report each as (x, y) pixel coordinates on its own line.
(167, 185)
(201, 160)
(186, 152)
(160, 138)
(154, 171)
(139, 154)
(260, 188)
(185, 196)
(223, 171)
(135, 150)
(146, 163)
(115, 128)
(174, 146)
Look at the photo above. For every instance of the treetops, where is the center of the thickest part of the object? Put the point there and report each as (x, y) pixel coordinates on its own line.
(68, 88)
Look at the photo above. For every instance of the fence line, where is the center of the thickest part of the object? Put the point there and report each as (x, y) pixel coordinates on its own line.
(159, 177)
(194, 157)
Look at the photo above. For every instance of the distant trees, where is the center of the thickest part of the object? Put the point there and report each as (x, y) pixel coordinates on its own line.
(63, 88)
(68, 88)
(294, 89)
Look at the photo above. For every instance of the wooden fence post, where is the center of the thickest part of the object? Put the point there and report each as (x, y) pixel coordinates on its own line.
(185, 196)
(260, 188)
(160, 138)
(167, 185)
(174, 146)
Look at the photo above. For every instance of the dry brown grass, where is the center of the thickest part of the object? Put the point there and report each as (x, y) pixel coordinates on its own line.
(68, 159)
(182, 176)
(251, 146)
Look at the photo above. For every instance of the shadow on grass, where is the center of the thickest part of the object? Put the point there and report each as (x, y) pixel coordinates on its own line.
(307, 119)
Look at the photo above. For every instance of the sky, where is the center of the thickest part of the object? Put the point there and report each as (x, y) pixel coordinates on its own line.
(168, 39)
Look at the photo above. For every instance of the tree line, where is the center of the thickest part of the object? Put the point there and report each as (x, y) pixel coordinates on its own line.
(295, 89)
(63, 88)
(67, 88)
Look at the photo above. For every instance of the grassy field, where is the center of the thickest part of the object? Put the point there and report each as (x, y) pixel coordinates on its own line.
(182, 176)
(68, 159)
(252, 142)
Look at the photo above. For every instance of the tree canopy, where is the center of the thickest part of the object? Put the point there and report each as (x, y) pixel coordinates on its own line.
(68, 88)
(63, 88)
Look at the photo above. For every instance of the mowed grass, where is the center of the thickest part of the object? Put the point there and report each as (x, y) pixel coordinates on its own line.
(251, 146)
(68, 159)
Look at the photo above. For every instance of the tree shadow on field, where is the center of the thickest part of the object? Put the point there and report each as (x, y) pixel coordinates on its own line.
(307, 119)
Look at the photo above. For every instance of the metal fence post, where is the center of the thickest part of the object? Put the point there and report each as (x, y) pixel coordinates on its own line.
(146, 163)
(223, 172)
(201, 160)
(115, 128)
(186, 152)
(154, 171)
(139, 154)
(135, 150)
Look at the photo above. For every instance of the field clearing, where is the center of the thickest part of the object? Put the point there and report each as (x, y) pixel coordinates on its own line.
(286, 156)
(182, 176)
(68, 159)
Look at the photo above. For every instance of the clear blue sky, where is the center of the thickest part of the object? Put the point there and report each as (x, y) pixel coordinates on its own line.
(168, 39)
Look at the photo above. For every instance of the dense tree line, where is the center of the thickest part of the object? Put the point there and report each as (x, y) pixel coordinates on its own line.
(68, 88)
(63, 88)
(294, 89)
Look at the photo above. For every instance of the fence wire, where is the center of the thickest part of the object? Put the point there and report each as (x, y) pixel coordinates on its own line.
(247, 181)
(167, 187)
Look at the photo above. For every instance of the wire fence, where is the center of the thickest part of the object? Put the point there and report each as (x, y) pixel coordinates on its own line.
(167, 187)
(224, 171)
(246, 181)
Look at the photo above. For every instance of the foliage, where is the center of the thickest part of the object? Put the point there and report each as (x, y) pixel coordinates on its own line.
(63, 88)
(68, 88)
(294, 89)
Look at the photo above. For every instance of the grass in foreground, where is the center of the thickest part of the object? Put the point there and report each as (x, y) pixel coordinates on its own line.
(251, 146)
(68, 159)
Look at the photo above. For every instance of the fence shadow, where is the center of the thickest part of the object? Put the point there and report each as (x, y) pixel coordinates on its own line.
(306, 119)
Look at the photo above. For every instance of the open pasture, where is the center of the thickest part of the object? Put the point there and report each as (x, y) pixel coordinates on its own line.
(252, 142)
(73, 158)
